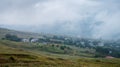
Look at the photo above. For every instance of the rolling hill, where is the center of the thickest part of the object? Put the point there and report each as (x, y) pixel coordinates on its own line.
(71, 52)
(4, 31)
(65, 44)
(13, 55)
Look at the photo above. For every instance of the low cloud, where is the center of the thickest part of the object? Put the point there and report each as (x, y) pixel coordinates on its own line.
(84, 18)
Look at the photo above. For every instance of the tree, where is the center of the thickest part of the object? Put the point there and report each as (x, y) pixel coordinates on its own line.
(12, 37)
(62, 47)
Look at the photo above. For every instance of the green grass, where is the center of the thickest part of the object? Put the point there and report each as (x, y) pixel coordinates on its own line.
(38, 47)
(17, 54)
(99, 62)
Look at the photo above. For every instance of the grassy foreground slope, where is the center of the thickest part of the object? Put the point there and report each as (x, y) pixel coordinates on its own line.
(12, 56)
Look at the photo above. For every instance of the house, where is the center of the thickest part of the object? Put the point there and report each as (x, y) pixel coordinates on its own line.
(101, 44)
(25, 40)
(109, 57)
(83, 43)
(34, 40)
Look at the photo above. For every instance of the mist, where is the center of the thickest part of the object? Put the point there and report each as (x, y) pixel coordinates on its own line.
(83, 18)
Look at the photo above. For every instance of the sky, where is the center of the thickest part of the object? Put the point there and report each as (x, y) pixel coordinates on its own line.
(83, 18)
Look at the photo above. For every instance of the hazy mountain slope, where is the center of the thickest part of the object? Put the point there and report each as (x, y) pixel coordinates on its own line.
(4, 31)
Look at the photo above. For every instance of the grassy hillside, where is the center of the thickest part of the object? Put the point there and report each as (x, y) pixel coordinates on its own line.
(12, 57)
(4, 31)
(14, 54)
(80, 46)
(51, 48)
(54, 51)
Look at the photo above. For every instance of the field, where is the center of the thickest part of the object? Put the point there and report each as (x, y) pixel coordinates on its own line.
(17, 54)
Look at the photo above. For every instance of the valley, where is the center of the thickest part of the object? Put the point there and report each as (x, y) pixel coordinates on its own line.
(73, 52)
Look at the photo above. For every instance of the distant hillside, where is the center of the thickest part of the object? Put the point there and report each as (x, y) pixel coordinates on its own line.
(57, 51)
(4, 31)
(100, 47)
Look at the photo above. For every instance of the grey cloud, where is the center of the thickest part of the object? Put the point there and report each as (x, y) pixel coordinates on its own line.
(85, 18)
